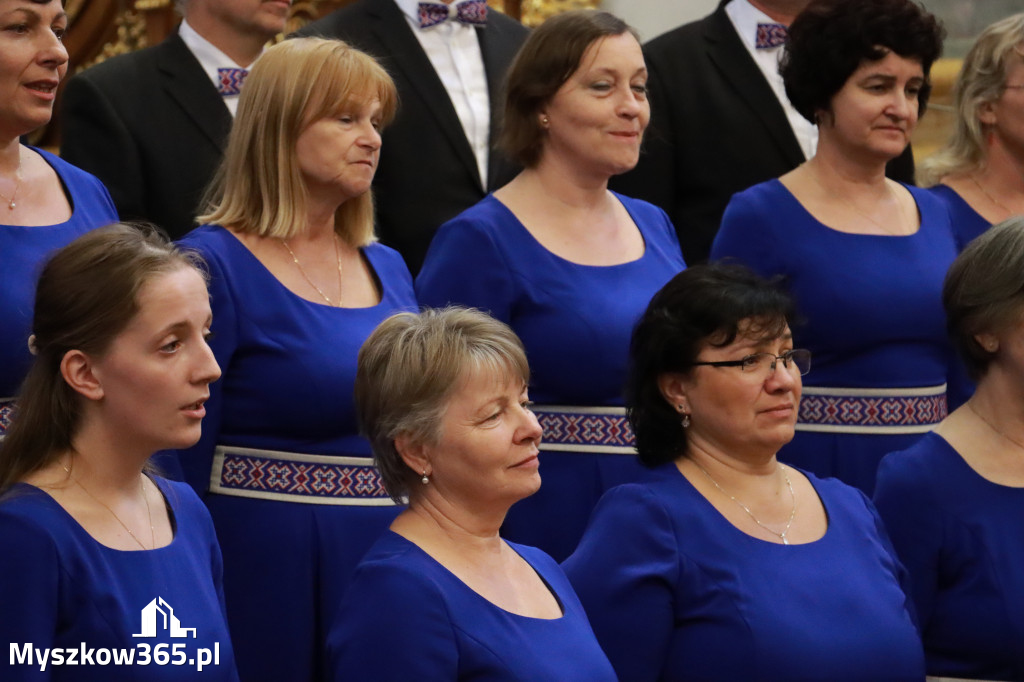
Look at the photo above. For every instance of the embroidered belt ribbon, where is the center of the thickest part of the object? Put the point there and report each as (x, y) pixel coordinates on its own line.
(585, 429)
(297, 477)
(6, 414)
(871, 410)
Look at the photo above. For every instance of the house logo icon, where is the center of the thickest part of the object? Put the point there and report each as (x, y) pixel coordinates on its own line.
(158, 615)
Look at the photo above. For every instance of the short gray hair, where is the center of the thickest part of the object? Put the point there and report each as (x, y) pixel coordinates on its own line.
(408, 370)
(984, 291)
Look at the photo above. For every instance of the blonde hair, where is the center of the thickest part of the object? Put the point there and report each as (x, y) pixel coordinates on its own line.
(981, 81)
(259, 188)
(408, 369)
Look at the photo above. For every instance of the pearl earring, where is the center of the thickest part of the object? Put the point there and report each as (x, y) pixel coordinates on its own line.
(425, 479)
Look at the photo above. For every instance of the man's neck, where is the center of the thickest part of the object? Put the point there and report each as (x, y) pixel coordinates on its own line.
(782, 11)
(242, 48)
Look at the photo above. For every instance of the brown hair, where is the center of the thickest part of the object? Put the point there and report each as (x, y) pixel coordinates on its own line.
(87, 295)
(550, 56)
(259, 188)
(408, 369)
(984, 290)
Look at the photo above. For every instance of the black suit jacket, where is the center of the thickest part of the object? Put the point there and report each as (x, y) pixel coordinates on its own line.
(152, 127)
(717, 128)
(428, 173)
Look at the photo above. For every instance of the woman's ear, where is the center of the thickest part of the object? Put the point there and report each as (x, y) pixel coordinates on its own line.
(673, 388)
(987, 114)
(413, 453)
(79, 372)
(988, 341)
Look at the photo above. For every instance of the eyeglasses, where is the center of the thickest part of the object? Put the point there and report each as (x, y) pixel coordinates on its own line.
(764, 363)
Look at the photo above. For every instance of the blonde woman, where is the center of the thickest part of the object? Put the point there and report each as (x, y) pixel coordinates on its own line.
(980, 171)
(297, 284)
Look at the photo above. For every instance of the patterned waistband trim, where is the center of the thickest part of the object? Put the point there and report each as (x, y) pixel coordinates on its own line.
(885, 411)
(297, 477)
(585, 429)
(6, 414)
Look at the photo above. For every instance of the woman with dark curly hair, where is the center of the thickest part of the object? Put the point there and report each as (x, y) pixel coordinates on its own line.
(864, 256)
(722, 563)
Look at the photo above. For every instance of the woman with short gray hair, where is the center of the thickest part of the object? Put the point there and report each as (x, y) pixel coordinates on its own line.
(954, 502)
(442, 397)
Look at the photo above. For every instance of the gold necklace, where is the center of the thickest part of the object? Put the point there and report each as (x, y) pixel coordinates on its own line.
(11, 203)
(993, 201)
(792, 513)
(302, 270)
(145, 498)
(892, 195)
(992, 426)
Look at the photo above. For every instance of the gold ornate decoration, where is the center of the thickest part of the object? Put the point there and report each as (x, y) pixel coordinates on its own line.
(150, 5)
(534, 12)
(131, 36)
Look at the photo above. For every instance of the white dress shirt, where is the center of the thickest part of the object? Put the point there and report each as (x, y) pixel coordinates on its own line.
(454, 51)
(210, 58)
(745, 18)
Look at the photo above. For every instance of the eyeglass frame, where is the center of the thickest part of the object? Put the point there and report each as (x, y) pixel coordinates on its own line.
(785, 357)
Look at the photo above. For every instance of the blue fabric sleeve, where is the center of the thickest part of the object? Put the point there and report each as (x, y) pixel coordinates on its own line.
(197, 461)
(625, 572)
(392, 626)
(914, 524)
(746, 233)
(465, 266)
(29, 593)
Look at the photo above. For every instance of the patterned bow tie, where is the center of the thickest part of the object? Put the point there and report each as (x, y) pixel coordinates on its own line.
(473, 12)
(230, 81)
(770, 35)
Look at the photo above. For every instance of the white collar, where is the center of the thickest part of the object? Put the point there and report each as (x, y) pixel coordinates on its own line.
(208, 54)
(745, 17)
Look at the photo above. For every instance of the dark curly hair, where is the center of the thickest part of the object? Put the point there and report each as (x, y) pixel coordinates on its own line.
(830, 39)
(702, 305)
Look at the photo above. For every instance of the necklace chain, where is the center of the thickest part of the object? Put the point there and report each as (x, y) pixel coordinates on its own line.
(305, 276)
(993, 427)
(145, 498)
(12, 202)
(792, 513)
(994, 202)
(892, 195)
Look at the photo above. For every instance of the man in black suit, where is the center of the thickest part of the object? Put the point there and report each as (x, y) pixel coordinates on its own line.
(437, 157)
(152, 124)
(719, 124)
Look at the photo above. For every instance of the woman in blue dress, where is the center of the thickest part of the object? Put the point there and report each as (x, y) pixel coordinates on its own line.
(443, 398)
(722, 563)
(297, 283)
(979, 173)
(954, 501)
(108, 571)
(566, 263)
(44, 202)
(864, 256)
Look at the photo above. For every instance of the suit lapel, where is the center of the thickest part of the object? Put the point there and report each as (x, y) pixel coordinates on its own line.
(405, 54)
(740, 72)
(184, 80)
(494, 68)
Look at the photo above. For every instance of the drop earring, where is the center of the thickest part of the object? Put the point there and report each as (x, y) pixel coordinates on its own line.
(425, 480)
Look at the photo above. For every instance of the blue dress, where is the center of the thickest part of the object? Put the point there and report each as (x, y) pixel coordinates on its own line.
(676, 592)
(967, 223)
(961, 538)
(408, 618)
(575, 322)
(872, 318)
(62, 590)
(292, 532)
(23, 251)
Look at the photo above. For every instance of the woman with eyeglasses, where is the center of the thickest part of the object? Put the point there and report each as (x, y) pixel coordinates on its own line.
(723, 563)
(980, 170)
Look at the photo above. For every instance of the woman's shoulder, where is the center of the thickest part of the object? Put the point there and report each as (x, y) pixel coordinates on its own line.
(487, 217)
(74, 177)
(387, 261)
(922, 464)
(28, 514)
